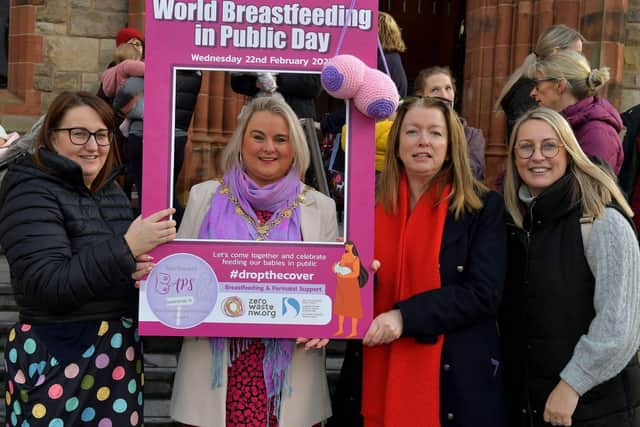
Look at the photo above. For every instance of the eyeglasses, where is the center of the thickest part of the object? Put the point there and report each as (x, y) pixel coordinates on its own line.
(548, 149)
(536, 82)
(135, 43)
(80, 136)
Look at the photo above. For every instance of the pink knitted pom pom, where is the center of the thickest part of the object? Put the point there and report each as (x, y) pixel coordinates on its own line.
(342, 76)
(378, 96)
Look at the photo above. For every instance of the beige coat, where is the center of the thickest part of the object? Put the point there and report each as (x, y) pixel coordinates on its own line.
(194, 401)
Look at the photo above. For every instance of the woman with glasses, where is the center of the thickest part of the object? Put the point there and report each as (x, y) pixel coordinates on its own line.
(515, 98)
(432, 355)
(74, 356)
(570, 318)
(566, 83)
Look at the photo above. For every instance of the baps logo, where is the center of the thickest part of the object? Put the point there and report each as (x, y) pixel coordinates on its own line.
(290, 307)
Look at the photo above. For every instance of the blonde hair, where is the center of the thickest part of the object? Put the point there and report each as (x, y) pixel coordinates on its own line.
(591, 185)
(390, 33)
(125, 51)
(231, 155)
(556, 38)
(465, 189)
(573, 68)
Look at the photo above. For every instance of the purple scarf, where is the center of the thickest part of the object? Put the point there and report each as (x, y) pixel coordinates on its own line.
(222, 222)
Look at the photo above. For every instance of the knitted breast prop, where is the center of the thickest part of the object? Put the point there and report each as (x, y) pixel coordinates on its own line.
(373, 92)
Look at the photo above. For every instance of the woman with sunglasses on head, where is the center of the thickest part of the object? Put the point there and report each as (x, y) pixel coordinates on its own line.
(570, 318)
(432, 353)
(566, 83)
(74, 357)
(515, 98)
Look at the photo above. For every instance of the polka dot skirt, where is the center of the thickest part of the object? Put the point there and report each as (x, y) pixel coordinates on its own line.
(101, 388)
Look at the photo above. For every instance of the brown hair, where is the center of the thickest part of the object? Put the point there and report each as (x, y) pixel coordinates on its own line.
(465, 189)
(390, 33)
(424, 74)
(58, 109)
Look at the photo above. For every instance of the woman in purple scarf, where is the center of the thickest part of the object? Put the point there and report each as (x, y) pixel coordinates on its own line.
(256, 382)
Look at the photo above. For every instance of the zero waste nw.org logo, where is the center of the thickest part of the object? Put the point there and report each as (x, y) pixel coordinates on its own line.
(233, 306)
(290, 307)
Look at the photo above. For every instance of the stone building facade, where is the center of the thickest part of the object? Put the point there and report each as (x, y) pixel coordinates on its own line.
(65, 44)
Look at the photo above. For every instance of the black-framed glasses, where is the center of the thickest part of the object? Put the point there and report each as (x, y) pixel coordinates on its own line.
(548, 149)
(135, 43)
(80, 136)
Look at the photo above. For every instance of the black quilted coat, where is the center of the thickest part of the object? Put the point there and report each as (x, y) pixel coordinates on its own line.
(65, 246)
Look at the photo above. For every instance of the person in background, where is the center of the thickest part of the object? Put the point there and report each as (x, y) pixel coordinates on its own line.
(128, 64)
(132, 37)
(298, 89)
(244, 381)
(439, 82)
(515, 98)
(131, 145)
(6, 139)
(187, 89)
(570, 317)
(566, 83)
(74, 357)
(390, 37)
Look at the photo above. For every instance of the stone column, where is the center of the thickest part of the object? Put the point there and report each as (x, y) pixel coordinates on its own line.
(137, 14)
(214, 121)
(25, 58)
(631, 76)
(602, 22)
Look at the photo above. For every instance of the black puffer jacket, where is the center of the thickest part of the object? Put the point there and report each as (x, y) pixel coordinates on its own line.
(65, 246)
(187, 89)
(298, 89)
(518, 101)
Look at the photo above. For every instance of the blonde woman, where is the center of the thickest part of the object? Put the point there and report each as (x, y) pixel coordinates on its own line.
(570, 321)
(392, 44)
(566, 83)
(515, 97)
(270, 382)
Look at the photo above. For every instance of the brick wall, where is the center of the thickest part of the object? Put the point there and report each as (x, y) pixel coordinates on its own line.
(56, 45)
(631, 75)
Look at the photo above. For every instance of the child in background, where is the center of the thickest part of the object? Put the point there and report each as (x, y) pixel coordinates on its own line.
(129, 64)
(6, 140)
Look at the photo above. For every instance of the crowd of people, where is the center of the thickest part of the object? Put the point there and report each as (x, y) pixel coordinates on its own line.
(490, 310)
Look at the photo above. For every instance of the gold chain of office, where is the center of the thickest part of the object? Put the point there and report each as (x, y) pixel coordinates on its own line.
(263, 230)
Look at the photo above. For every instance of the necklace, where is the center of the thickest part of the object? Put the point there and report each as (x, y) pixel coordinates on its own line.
(264, 229)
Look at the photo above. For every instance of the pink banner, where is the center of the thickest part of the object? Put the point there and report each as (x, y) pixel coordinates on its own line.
(253, 289)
